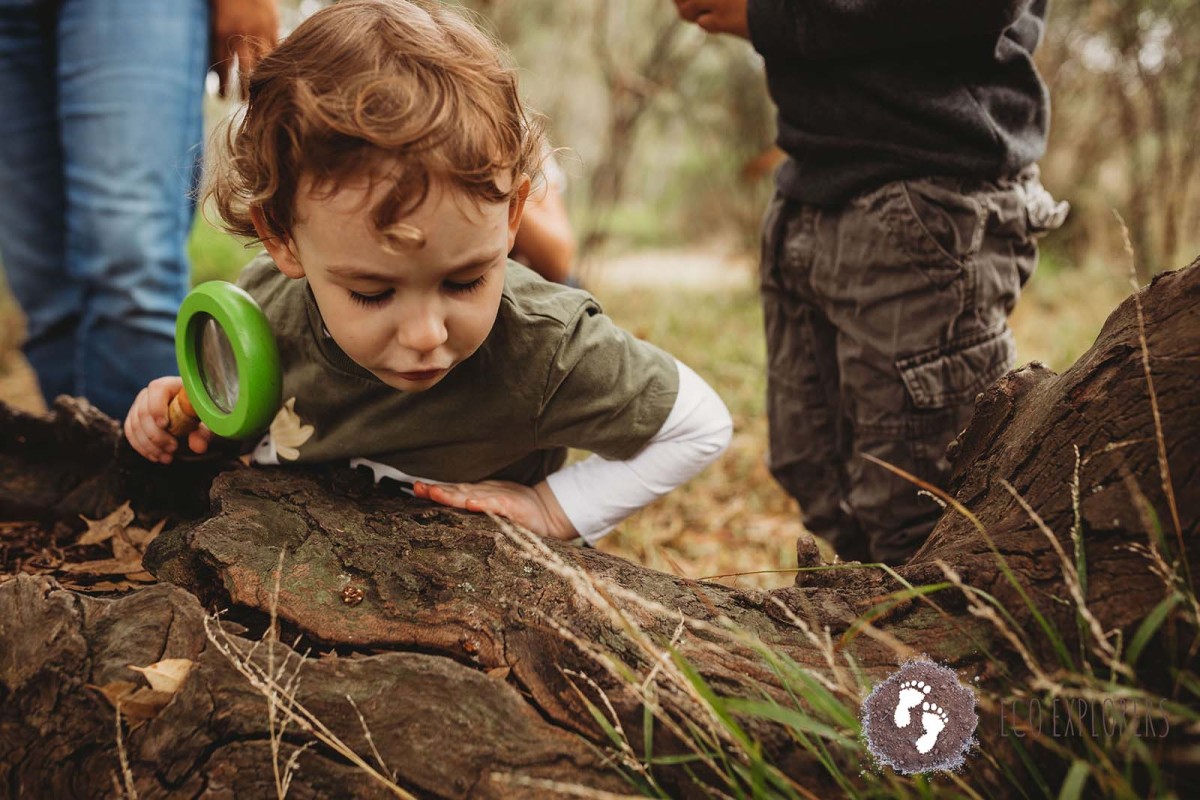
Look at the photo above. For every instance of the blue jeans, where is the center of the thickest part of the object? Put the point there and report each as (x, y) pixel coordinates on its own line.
(100, 142)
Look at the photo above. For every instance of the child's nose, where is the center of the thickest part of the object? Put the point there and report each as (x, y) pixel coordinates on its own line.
(421, 329)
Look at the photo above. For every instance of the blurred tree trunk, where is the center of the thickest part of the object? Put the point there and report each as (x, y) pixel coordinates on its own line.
(633, 81)
(1156, 85)
(474, 652)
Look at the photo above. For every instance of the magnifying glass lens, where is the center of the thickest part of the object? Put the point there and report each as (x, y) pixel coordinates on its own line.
(218, 366)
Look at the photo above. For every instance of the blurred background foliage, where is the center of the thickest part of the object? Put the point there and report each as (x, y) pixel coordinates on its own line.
(664, 123)
(665, 133)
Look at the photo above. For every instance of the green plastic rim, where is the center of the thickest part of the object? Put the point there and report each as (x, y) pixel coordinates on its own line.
(260, 380)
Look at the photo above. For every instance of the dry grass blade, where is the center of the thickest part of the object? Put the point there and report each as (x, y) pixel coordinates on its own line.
(977, 607)
(825, 647)
(371, 740)
(130, 790)
(281, 697)
(1071, 579)
(1164, 467)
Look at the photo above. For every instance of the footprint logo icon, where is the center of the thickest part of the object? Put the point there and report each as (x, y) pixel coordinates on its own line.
(933, 720)
(912, 693)
(919, 719)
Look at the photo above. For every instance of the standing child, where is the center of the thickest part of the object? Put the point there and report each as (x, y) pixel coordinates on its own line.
(902, 230)
(384, 162)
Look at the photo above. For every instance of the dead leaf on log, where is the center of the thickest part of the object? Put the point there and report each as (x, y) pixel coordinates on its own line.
(103, 529)
(115, 690)
(166, 675)
(137, 704)
(144, 704)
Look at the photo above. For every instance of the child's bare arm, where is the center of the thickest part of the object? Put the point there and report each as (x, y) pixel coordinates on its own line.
(146, 422)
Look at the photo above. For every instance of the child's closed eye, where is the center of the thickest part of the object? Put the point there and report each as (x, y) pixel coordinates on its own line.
(372, 299)
(464, 288)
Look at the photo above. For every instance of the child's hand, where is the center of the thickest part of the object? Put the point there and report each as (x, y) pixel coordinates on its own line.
(532, 507)
(146, 423)
(717, 16)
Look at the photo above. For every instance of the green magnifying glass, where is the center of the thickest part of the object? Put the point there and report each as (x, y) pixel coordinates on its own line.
(229, 363)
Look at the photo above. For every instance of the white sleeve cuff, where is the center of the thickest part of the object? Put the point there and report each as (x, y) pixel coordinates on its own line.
(596, 493)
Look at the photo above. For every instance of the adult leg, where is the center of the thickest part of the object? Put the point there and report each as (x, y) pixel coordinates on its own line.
(131, 76)
(31, 201)
(808, 437)
(926, 274)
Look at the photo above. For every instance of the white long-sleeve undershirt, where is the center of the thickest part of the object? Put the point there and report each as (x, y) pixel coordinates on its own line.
(597, 493)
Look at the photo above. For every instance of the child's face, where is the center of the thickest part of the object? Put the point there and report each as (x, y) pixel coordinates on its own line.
(411, 314)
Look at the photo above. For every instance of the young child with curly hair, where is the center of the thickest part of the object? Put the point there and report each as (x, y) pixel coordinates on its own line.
(383, 161)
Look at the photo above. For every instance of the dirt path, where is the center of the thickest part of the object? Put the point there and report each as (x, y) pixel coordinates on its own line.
(691, 268)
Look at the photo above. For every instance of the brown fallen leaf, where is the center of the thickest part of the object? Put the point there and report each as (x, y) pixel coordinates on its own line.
(137, 704)
(123, 549)
(114, 690)
(106, 566)
(102, 586)
(144, 704)
(141, 576)
(142, 537)
(166, 675)
(99, 530)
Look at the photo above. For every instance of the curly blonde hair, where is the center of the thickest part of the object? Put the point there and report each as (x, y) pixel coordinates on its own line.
(408, 92)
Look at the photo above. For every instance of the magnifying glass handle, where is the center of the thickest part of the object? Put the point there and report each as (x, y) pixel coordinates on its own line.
(181, 417)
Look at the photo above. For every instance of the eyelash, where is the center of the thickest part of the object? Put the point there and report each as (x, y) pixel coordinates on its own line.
(465, 288)
(369, 300)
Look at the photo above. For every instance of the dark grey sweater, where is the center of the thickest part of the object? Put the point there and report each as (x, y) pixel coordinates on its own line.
(871, 91)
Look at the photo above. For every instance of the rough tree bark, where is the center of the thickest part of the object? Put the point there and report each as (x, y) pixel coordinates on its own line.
(462, 651)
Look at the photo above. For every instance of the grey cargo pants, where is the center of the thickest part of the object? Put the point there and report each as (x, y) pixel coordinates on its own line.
(884, 319)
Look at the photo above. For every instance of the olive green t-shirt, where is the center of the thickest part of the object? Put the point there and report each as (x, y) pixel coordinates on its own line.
(554, 372)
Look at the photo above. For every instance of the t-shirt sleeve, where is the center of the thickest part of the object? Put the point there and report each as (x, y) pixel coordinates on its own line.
(606, 391)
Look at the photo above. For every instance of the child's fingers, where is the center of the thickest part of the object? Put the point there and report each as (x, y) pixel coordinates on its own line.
(448, 494)
(493, 504)
(143, 433)
(456, 495)
(199, 439)
(159, 394)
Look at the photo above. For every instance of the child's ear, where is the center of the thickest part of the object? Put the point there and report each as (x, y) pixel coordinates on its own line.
(516, 207)
(279, 247)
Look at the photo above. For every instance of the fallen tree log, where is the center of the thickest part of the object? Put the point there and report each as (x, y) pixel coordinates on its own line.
(500, 646)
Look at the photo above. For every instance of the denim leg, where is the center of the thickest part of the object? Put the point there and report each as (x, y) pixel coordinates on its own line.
(31, 197)
(131, 77)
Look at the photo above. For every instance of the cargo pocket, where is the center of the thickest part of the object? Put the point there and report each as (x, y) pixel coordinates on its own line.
(949, 377)
(944, 229)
